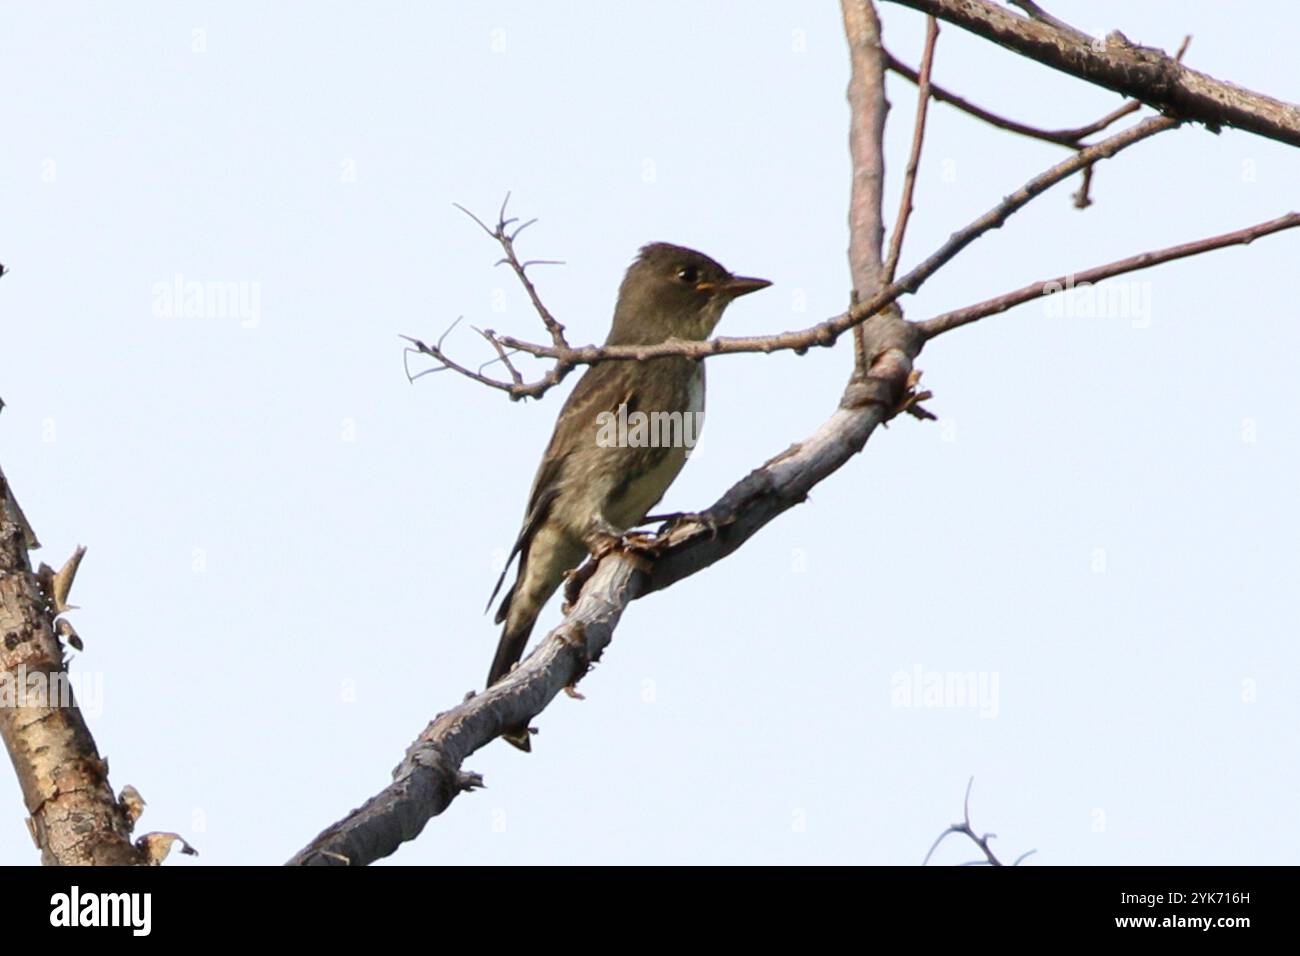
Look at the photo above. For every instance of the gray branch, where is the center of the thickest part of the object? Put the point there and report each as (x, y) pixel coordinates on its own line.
(1144, 73)
(431, 774)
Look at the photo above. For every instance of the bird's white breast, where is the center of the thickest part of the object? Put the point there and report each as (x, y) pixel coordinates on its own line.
(695, 404)
(695, 391)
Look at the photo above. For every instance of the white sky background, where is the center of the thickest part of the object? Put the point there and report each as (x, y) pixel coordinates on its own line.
(290, 546)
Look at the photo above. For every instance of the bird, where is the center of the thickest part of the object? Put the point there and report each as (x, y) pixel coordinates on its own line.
(593, 484)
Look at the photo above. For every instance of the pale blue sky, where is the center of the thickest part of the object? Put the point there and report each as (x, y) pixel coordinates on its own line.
(290, 546)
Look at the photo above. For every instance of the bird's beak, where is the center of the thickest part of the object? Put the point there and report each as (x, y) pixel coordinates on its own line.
(737, 286)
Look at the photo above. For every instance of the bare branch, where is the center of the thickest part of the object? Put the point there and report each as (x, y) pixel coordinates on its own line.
(73, 815)
(502, 356)
(514, 389)
(1144, 73)
(868, 109)
(971, 313)
(944, 95)
(506, 237)
(1072, 138)
(430, 776)
(825, 333)
(914, 158)
(965, 828)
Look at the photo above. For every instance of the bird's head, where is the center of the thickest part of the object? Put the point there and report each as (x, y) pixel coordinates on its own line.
(674, 292)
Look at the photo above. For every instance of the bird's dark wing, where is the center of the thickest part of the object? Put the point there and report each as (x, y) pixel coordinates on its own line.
(576, 425)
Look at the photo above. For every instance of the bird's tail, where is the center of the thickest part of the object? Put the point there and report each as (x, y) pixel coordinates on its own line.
(543, 562)
(509, 649)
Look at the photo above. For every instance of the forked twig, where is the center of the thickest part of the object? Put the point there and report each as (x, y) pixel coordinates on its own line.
(823, 334)
(1071, 138)
(914, 158)
(506, 237)
(965, 828)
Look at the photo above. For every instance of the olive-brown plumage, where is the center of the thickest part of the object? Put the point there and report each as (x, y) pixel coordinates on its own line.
(586, 487)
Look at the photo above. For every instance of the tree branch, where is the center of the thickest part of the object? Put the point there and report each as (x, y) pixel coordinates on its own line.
(824, 333)
(868, 109)
(965, 828)
(74, 817)
(1071, 138)
(971, 313)
(914, 158)
(431, 776)
(1143, 73)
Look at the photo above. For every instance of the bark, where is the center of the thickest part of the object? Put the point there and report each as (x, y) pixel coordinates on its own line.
(74, 818)
(431, 775)
(1144, 73)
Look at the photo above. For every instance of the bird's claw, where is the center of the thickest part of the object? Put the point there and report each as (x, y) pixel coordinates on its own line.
(671, 522)
(574, 582)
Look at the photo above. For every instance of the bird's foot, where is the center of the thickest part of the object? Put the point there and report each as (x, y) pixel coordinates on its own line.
(574, 582)
(604, 539)
(678, 519)
(638, 542)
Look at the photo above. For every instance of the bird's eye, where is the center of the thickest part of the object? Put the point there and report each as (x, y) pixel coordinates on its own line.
(689, 274)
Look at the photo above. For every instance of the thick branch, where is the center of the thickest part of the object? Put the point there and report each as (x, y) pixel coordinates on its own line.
(430, 776)
(1072, 138)
(868, 109)
(74, 818)
(1144, 73)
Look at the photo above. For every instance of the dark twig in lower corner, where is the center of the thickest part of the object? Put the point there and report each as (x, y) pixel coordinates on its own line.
(967, 829)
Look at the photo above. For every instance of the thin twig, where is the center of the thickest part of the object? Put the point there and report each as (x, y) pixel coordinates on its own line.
(824, 334)
(1071, 138)
(943, 95)
(1083, 198)
(506, 237)
(971, 313)
(502, 356)
(1042, 16)
(914, 159)
(449, 364)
